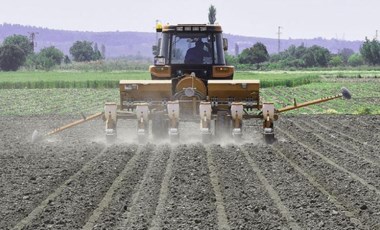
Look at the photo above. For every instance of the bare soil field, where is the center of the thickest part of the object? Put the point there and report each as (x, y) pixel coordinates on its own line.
(323, 172)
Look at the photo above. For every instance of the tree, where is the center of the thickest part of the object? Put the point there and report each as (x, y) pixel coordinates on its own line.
(21, 41)
(345, 53)
(309, 59)
(212, 14)
(355, 60)
(231, 60)
(49, 57)
(97, 54)
(336, 60)
(301, 57)
(45, 63)
(82, 51)
(103, 51)
(256, 54)
(316, 56)
(322, 55)
(66, 60)
(11, 57)
(30, 62)
(370, 51)
(293, 57)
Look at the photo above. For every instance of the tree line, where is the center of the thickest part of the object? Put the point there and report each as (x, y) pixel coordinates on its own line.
(299, 57)
(18, 50)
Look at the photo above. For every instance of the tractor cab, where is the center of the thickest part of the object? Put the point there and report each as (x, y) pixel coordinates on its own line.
(190, 48)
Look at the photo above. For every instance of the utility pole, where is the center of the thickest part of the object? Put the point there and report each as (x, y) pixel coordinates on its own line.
(279, 38)
(376, 36)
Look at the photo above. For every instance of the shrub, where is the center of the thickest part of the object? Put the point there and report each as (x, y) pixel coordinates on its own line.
(11, 57)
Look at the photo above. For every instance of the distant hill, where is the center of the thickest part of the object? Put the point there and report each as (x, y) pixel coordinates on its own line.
(120, 44)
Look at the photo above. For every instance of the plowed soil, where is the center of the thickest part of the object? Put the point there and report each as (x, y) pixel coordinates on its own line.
(323, 172)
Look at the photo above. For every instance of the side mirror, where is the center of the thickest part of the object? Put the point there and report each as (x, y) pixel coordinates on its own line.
(225, 44)
(156, 48)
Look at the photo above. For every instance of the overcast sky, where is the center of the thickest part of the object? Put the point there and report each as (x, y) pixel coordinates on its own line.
(342, 19)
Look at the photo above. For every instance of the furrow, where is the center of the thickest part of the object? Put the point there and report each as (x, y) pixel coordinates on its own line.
(220, 206)
(42, 206)
(72, 206)
(373, 126)
(29, 173)
(145, 197)
(346, 187)
(125, 187)
(272, 193)
(351, 215)
(329, 161)
(352, 139)
(163, 196)
(307, 205)
(362, 128)
(105, 202)
(190, 201)
(246, 201)
(339, 147)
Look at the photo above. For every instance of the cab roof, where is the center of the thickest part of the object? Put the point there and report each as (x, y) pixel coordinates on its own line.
(191, 28)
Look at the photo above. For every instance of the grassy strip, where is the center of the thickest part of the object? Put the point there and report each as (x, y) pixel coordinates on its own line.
(95, 80)
(91, 84)
(48, 80)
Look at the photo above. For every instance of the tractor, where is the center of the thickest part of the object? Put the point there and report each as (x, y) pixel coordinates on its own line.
(191, 81)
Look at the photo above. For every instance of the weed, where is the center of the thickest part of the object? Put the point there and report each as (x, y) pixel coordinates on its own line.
(363, 111)
(330, 111)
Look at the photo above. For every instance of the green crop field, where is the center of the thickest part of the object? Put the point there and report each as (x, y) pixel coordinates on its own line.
(73, 98)
(365, 97)
(67, 79)
(72, 79)
(99, 79)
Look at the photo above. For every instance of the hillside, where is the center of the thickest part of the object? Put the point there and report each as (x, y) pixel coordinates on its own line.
(139, 43)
